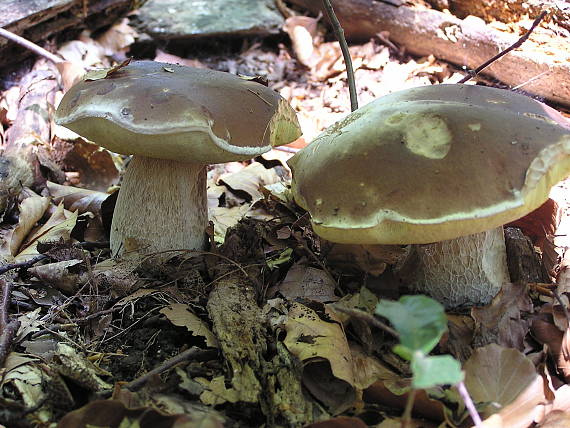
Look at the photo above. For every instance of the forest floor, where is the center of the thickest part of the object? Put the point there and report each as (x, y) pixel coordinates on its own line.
(82, 332)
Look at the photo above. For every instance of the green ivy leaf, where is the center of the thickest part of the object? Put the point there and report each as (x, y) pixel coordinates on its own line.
(432, 371)
(419, 320)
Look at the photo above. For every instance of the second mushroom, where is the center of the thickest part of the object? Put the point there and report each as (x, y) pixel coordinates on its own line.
(444, 164)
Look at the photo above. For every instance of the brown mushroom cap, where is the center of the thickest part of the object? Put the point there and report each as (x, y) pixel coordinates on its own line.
(199, 115)
(430, 164)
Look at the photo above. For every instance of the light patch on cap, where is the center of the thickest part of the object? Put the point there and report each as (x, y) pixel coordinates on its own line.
(474, 127)
(427, 135)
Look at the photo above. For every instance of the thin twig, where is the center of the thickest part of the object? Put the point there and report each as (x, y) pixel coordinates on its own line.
(339, 33)
(5, 305)
(251, 278)
(532, 79)
(8, 329)
(94, 315)
(515, 45)
(6, 338)
(22, 305)
(30, 45)
(54, 328)
(469, 404)
(19, 265)
(192, 354)
(364, 316)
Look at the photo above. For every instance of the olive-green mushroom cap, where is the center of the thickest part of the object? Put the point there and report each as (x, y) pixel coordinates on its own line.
(174, 112)
(431, 163)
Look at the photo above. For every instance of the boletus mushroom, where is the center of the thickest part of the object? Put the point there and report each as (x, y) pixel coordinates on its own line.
(445, 166)
(174, 120)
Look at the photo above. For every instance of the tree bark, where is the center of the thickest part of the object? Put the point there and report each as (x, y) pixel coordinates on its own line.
(539, 69)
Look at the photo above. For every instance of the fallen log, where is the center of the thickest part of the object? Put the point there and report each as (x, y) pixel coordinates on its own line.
(543, 70)
(495, 10)
(37, 21)
(29, 136)
(260, 370)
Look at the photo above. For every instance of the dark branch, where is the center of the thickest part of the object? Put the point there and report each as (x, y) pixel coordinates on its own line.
(339, 33)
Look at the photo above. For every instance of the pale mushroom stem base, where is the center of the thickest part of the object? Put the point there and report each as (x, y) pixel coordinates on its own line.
(462, 272)
(162, 206)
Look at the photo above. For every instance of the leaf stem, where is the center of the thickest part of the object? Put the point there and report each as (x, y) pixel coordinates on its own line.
(407, 416)
(469, 404)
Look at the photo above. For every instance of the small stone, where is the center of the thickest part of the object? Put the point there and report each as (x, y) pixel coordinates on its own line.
(181, 19)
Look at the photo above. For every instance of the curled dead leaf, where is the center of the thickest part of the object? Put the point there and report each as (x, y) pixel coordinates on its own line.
(317, 339)
(180, 314)
(77, 199)
(58, 227)
(60, 275)
(498, 376)
(307, 282)
(557, 343)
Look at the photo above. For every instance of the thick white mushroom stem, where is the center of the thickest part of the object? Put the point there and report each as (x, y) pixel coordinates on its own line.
(463, 272)
(162, 206)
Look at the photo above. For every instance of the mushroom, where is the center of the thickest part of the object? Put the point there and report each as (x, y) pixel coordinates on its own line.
(443, 165)
(175, 120)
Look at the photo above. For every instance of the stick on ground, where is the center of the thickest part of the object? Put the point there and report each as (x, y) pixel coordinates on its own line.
(339, 33)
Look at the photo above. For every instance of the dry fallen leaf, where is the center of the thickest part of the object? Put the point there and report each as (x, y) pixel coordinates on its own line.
(70, 72)
(94, 165)
(371, 259)
(224, 218)
(556, 341)
(341, 422)
(60, 275)
(111, 413)
(367, 369)
(31, 210)
(323, 349)
(30, 322)
(522, 412)
(58, 226)
(179, 314)
(162, 56)
(26, 378)
(117, 39)
(247, 182)
(302, 31)
(309, 283)
(77, 199)
(505, 319)
(497, 376)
